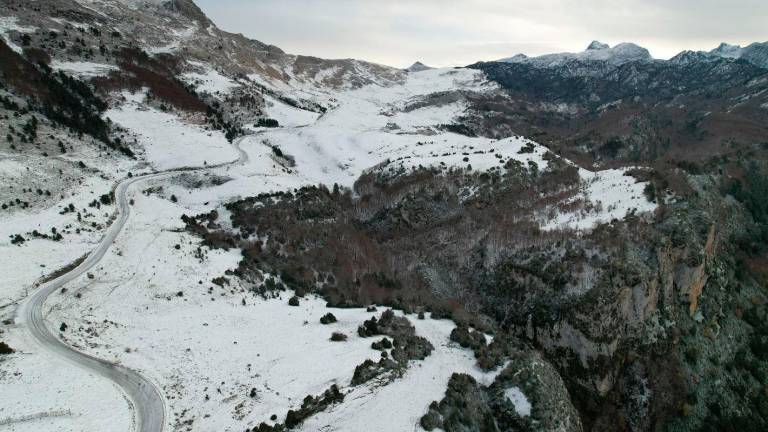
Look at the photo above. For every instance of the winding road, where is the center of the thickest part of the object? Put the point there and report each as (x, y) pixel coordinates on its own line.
(148, 403)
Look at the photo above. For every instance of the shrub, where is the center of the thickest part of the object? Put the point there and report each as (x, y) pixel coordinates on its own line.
(527, 148)
(338, 337)
(328, 318)
(5, 349)
(268, 123)
(381, 345)
(293, 301)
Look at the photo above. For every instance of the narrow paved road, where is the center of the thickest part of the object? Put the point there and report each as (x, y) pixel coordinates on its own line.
(148, 403)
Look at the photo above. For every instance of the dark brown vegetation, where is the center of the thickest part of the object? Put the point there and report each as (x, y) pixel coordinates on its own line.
(158, 73)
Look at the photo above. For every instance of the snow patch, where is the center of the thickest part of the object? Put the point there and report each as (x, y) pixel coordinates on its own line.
(211, 82)
(84, 69)
(519, 400)
(611, 194)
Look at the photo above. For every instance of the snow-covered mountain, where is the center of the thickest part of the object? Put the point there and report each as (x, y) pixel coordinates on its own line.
(755, 53)
(596, 51)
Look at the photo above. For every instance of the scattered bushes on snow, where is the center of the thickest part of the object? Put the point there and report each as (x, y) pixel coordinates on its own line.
(405, 346)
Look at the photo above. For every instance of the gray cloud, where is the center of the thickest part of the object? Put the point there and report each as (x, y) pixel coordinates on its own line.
(459, 32)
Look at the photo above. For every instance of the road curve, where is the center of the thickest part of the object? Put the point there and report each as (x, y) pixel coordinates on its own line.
(148, 403)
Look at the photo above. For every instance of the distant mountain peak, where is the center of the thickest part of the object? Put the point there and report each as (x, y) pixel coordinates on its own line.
(597, 45)
(727, 50)
(755, 53)
(418, 67)
(595, 52)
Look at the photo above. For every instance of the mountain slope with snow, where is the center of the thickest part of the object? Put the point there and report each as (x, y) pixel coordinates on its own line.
(596, 51)
(558, 237)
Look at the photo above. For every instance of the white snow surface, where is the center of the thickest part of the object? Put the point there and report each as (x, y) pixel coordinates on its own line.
(84, 69)
(519, 400)
(287, 115)
(211, 82)
(169, 142)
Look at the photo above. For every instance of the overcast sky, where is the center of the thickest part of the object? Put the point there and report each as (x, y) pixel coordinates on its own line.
(460, 32)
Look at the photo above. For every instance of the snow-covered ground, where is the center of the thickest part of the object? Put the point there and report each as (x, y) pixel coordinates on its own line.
(168, 141)
(41, 393)
(211, 82)
(612, 194)
(287, 115)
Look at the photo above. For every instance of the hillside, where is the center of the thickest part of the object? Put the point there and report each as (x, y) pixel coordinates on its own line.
(205, 233)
